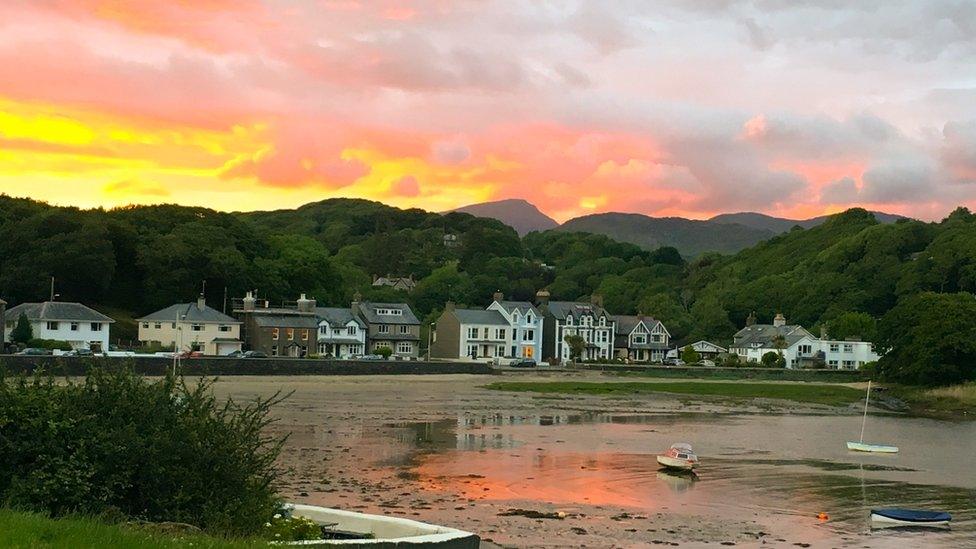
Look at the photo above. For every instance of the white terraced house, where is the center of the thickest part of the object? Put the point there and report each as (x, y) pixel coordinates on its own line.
(341, 334)
(588, 320)
(505, 330)
(78, 325)
(525, 324)
(192, 327)
(798, 346)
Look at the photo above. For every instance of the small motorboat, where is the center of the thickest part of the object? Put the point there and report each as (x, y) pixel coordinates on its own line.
(909, 517)
(679, 456)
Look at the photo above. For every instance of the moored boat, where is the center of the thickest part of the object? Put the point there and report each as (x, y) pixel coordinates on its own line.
(679, 456)
(878, 448)
(909, 517)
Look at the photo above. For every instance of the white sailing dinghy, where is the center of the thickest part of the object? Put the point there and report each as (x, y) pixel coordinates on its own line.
(860, 446)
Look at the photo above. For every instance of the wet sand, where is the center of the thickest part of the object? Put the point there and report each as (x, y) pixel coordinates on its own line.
(442, 449)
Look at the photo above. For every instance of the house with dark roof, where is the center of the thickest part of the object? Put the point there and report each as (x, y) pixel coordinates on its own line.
(526, 323)
(290, 331)
(640, 338)
(470, 333)
(192, 327)
(799, 347)
(391, 325)
(79, 326)
(341, 334)
(588, 320)
(405, 283)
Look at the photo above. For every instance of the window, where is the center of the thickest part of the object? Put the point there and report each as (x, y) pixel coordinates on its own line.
(174, 325)
(404, 347)
(274, 348)
(848, 348)
(74, 326)
(196, 327)
(528, 318)
(383, 329)
(832, 363)
(603, 321)
(500, 333)
(275, 334)
(145, 325)
(96, 326)
(304, 350)
(500, 350)
(158, 326)
(640, 339)
(569, 320)
(304, 337)
(224, 328)
(528, 335)
(390, 312)
(486, 332)
(52, 325)
(472, 333)
(472, 351)
(835, 347)
(404, 329)
(351, 330)
(805, 349)
(291, 334)
(848, 363)
(513, 350)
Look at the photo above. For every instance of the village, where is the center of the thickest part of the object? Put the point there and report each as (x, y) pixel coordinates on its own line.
(505, 333)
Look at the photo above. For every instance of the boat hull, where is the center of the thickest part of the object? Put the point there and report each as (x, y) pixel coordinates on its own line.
(876, 448)
(675, 463)
(909, 517)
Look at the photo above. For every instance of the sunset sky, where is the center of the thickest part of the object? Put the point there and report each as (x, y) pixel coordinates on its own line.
(673, 107)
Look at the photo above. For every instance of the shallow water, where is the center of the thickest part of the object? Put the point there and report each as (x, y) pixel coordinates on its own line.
(442, 449)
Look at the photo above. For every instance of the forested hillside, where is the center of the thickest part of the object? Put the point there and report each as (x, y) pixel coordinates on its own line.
(847, 272)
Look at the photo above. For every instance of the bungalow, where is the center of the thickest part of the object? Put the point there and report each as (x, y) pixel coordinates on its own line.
(567, 318)
(193, 327)
(798, 346)
(640, 338)
(341, 334)
(390, 325)
(78, 325)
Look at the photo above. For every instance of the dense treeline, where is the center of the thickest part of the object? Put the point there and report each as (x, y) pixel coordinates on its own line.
(844, 275)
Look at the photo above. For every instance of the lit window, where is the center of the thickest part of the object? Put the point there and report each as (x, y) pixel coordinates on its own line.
(275, 334)
(291, 333)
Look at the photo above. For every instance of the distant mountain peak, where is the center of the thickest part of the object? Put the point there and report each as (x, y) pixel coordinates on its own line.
(520, 214)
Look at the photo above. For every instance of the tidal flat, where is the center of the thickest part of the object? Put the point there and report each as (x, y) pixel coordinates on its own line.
(528, 470)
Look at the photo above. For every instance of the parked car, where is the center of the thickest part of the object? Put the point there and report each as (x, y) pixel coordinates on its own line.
(33, 351)
(234, 354)
(254, 354)
(523, 363)
(673, 362)
(79, 352)
(371, 357)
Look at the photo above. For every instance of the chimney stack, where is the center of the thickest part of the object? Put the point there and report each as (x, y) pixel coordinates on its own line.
(356, 298)
(449, 306)
(306, 305)
(751, 319)
(250, 302)
(498, 296)
(542, 298)
(596, 300)
(201, 302)
(779, 320)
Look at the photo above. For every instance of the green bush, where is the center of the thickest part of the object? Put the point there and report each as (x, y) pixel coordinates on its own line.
(772, 359)
(38, 343)
(384, 352)
(157, 451)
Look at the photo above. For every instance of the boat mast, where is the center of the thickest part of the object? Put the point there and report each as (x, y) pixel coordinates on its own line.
(865, 418)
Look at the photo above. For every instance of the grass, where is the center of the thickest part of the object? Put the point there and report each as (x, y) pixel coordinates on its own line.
(21, 529)
(833, 395)
(759, 374)
(956, 401)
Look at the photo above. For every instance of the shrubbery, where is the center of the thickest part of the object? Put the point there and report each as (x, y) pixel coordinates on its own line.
(157, 451)
(49, 344)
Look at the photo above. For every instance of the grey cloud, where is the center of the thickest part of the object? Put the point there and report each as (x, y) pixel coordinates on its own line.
(842, 191)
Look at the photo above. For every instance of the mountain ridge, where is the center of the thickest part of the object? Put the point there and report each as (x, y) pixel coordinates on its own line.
(517, 213)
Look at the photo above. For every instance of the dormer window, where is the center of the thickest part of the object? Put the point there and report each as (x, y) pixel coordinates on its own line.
(389, 312)
(603, 321)
(569, 320)
(528, 318)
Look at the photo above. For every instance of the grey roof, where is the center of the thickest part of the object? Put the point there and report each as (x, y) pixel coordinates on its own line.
(337, 316)
(286, 321)
(522, 307)
(562, 309)
(57, 310)
(402, 282)
(703, 343)
(480, 316)
(189, 312)
(627, 323)
(368, 312)
(762, 335)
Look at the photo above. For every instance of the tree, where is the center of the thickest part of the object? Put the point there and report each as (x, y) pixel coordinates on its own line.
(690, 355)
(384, 352)
(853, 325)
(773, 359)
(711, 320)
(22, 332)
(576, 346)
(927, 339)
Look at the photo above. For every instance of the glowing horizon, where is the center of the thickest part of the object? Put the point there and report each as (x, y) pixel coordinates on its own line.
(578, 108)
